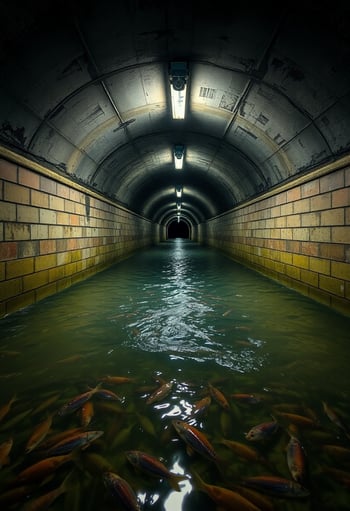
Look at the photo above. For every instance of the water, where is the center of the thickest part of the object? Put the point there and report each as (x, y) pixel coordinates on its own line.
(185, 315)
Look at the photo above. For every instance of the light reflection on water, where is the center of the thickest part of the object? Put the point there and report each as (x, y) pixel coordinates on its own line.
(173, 318)
(188, 315)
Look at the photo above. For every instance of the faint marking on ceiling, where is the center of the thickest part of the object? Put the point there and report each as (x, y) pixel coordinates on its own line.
(72, 67)
(207, 92)
(263, 119)
(265, 93)
(279, 139)
(228, 101)
(91, 116)
(247, 132)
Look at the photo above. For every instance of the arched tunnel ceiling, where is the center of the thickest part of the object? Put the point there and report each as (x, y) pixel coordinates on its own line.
(84, 88)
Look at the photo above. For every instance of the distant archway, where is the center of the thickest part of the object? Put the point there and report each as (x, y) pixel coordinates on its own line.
(178, 229)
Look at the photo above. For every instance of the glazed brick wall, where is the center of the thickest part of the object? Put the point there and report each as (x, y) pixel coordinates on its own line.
(298, 235)
(53, 234)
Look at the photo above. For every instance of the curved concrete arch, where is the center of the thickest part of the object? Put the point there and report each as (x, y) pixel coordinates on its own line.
(88, 94)
(169, 209)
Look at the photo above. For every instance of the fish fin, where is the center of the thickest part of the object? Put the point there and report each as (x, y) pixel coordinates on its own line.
(174, 481)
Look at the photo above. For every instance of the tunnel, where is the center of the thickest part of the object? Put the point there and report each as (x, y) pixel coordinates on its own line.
(117, 116)
(178, 229)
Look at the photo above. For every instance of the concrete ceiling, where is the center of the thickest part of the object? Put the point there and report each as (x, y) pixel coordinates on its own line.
(84, 88)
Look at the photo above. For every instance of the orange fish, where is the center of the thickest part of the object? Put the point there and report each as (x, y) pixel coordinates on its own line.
(195, 440)
(245, 451)
(117, 380)
(4, 410)
(39, 434)
(45, 501)
(154, 467)
(335, 418)
(78, 401)
(299, 420)
(86, 413)
(224, 498)
(262, 431)
(219, 397)
(296, 460)
(247, 398)
(5, 449)
(121, 490)
(339, 475)
(337, 451)
(276, 486)
(201, 406)
(160, 393)
(42, 468)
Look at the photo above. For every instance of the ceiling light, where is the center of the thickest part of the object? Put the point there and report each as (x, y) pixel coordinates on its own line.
(178, 190)
(178, 205)
(178, 75)
(179, 152)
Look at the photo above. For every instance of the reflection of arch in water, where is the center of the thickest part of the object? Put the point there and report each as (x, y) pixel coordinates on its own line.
(178, 229)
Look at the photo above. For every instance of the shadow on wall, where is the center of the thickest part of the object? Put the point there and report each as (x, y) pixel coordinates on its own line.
(178, 230)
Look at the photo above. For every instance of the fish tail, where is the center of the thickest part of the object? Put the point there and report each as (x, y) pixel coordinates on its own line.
(174, 481)
(199, 484)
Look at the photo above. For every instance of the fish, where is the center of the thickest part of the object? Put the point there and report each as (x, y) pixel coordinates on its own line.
(121, 490)
(154, 467)
(262, 431)
(299, 420)
(15, 420)
(96, 464)
(45, 404)
(337, 451)
(43, 502)
(296, 460)
(4, 410)
(82, 440)
(68, 360)
(250, 399)
(39, 433)
(224, 498)
(335, 418)
(276, 486)
(245, 452)
(339, 475)
(86, 413)
(219, 397)
(263, 502)
(117, 380)
(78, 401)
(195, 440)
(160, 393)
(58, 437)
(41, 469)
(5, 448)
(8, 353)
(201, 406)
(108, 394)
(146, 424)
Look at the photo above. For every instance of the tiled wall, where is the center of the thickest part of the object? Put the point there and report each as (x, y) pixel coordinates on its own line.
(298, 234)
(53, 234)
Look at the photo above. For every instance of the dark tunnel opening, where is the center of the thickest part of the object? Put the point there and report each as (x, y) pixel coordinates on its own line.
(178, 229)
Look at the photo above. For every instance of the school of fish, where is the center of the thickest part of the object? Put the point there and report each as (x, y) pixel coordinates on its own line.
(239, 449)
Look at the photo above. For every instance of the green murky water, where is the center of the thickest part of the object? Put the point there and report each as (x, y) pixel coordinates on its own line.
(186, 316)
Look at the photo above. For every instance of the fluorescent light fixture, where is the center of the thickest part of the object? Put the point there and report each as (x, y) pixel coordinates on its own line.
(178, 205)
(179, 153)
(178, 191)
(178, 75)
